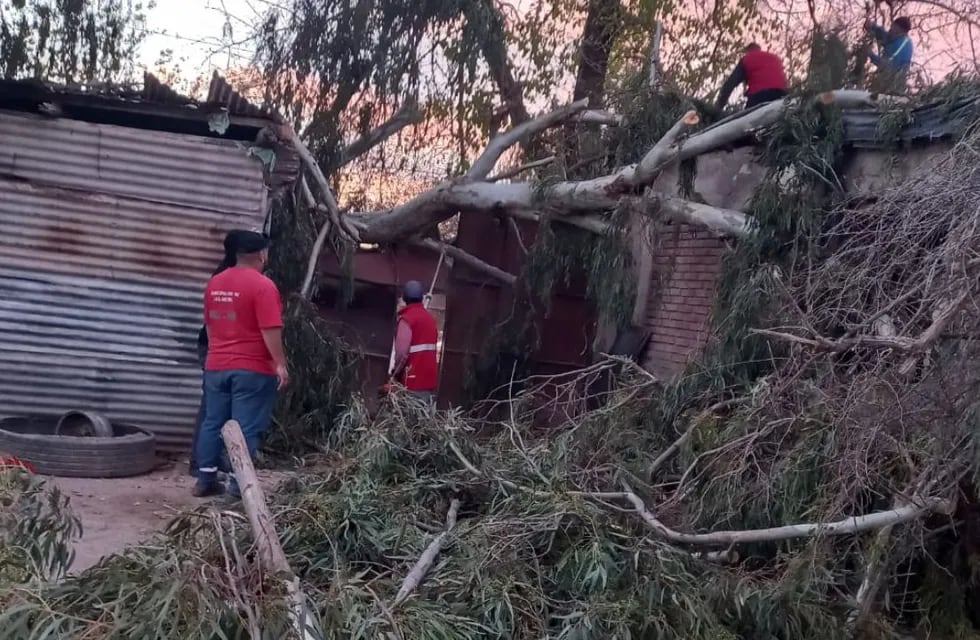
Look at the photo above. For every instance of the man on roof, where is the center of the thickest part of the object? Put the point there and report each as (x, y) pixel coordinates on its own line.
(895, 59)
(762, 74)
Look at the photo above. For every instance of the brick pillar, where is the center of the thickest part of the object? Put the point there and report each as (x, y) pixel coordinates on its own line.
(683, 285)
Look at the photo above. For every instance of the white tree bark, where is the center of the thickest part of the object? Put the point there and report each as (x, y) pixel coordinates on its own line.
(577, 202)
(607, 118)
(406, 116)
(484, 164)
(520, 200)
(916, 508)
(654, 79)
(270, 552)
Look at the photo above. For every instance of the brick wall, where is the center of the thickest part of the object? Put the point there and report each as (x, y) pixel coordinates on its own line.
(684, 276)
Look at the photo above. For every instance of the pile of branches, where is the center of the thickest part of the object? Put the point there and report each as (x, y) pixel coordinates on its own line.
(521, 539)
(537, 520)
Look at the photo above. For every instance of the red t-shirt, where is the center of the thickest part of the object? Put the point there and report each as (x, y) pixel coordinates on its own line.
(238, 304)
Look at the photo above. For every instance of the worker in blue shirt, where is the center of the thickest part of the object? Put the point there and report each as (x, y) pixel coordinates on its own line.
(895, 58)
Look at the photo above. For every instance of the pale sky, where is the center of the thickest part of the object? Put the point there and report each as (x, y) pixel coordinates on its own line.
(194, 31)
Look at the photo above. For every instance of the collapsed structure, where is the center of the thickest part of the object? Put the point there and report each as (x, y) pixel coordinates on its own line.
(810, 475)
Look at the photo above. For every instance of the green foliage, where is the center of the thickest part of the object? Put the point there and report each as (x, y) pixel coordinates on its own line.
(36, 530)
(324, 380)
(829, 60)
(527, 558)
(562, 252)
(334, 68)
(323, 367)
(80, 41)
(802, 152)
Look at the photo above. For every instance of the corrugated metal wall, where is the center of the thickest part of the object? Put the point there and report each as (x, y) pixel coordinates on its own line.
(107, 237)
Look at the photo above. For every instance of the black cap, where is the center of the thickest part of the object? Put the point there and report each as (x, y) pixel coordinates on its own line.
(903, 23)
(247, 242)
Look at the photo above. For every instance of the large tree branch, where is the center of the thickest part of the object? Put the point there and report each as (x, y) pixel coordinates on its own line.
(468, 259)
(487, 160)
(584, 200)
(724, 222)
(520, 199)
(328, 202)
(409, 114)
(916, 508)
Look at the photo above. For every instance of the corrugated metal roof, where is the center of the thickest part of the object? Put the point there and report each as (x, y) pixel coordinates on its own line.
(103, 260)
(222, 93)
(924, 124)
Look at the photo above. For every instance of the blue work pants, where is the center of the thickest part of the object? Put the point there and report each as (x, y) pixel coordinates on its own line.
(244, 396)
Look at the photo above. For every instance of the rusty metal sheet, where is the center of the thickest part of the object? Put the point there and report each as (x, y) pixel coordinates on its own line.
(475, 303)
(392, 266)
(103, 265)
(204, 173)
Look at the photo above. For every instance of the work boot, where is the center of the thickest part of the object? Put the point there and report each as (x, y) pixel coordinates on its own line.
(205, 489)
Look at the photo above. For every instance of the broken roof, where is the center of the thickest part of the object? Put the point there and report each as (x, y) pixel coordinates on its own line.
(153, 106)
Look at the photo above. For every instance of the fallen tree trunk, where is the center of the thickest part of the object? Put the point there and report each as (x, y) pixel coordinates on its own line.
(585, 196)
(521, 200)
(585, 201)
(271, 556)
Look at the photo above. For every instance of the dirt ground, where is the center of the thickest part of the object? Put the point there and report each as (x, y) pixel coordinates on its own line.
(117, 513)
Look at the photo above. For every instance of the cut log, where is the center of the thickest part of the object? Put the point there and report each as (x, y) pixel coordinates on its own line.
(270, 553)
(649, 167)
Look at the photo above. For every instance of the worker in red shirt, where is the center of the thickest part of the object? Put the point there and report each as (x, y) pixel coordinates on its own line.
(416, 365)
(762, 74)
(246, 364)
(230, 256)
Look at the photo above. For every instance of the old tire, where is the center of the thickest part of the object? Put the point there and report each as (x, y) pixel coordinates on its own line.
(83, 423)
(130, 452)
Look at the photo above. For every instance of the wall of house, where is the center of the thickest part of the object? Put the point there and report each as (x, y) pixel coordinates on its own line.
(108, 235)
(679, 265)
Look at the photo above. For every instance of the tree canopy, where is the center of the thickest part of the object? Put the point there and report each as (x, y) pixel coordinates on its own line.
(71, 41)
